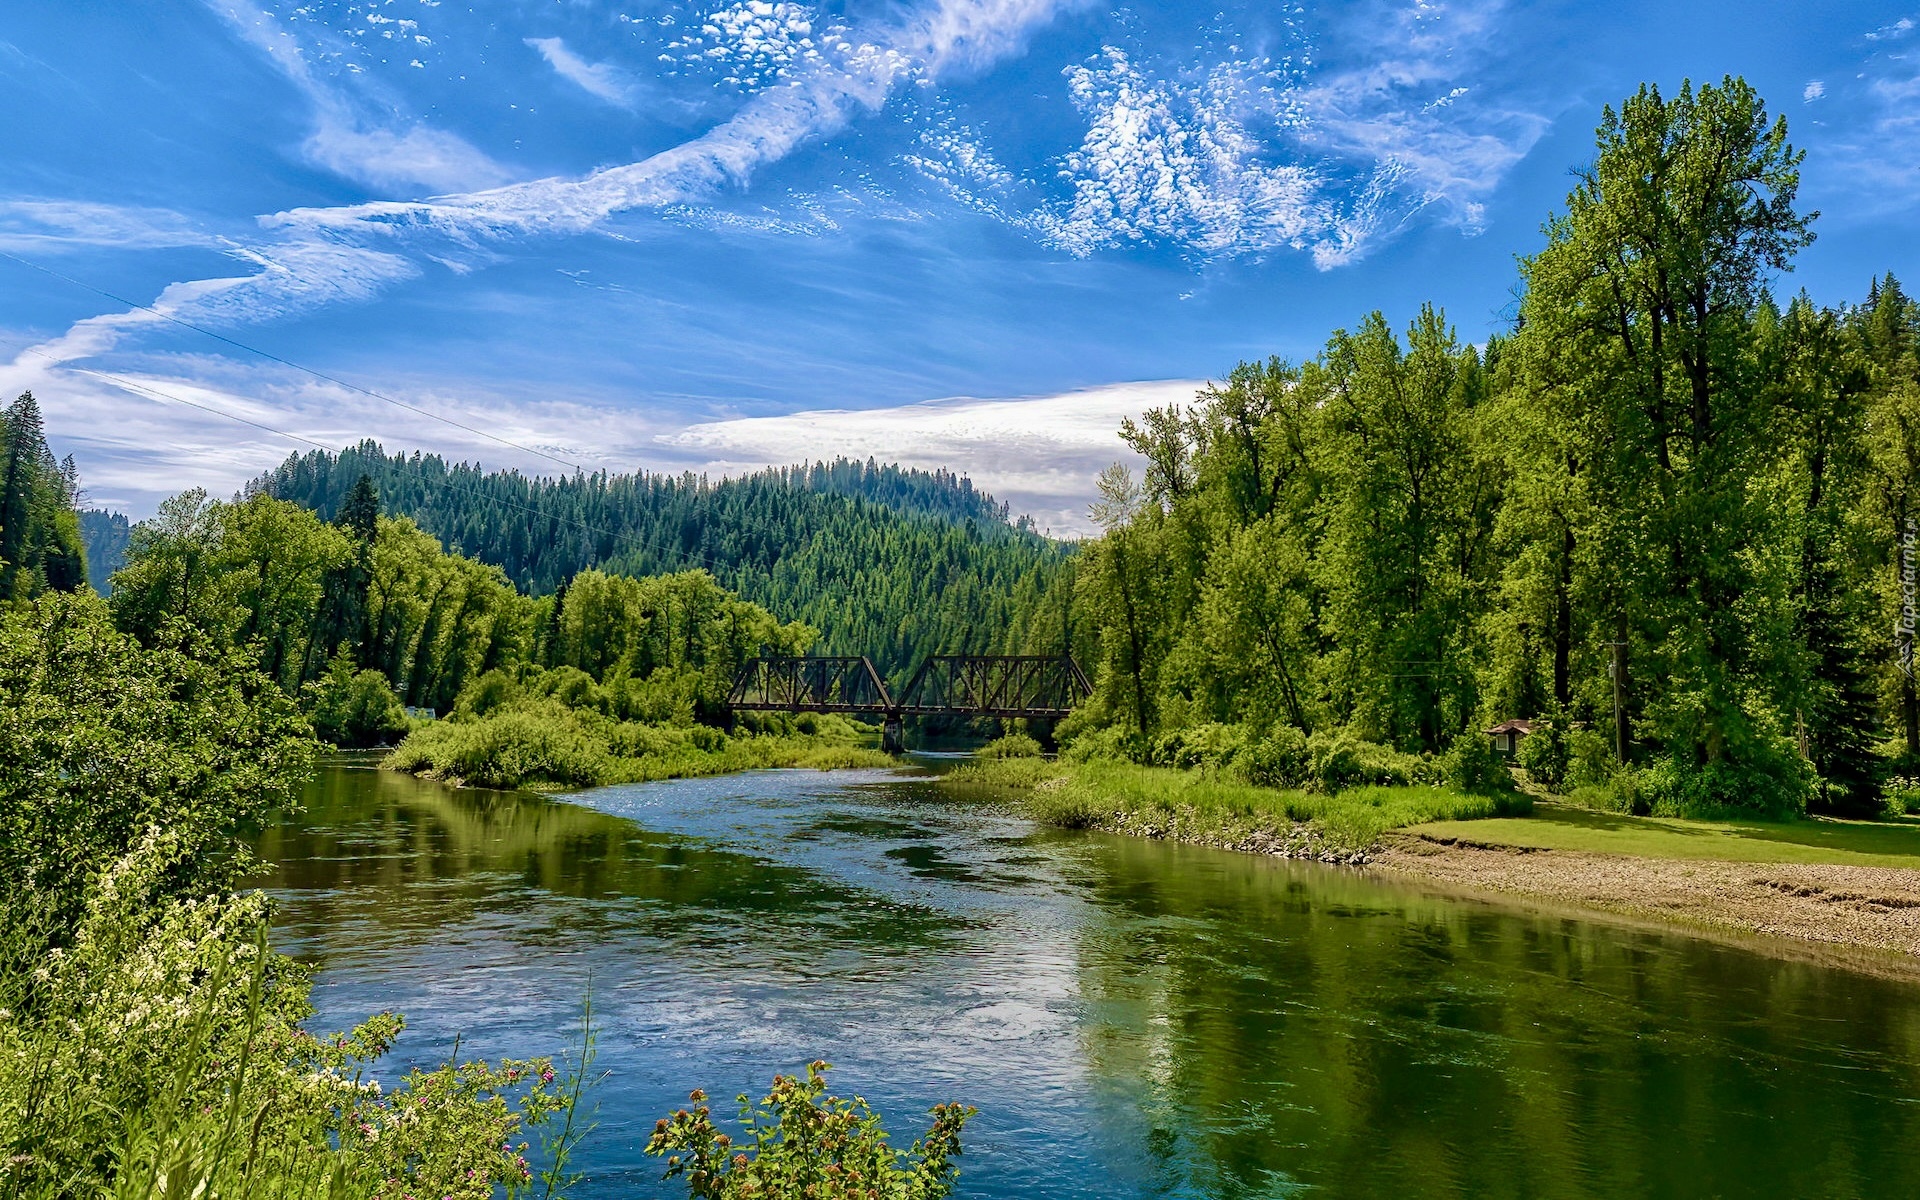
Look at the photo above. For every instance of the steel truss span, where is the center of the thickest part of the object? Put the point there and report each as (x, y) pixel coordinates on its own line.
(978, 685)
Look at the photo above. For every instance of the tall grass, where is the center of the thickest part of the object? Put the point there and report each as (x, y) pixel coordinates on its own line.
(1205, 807)
(544, 742)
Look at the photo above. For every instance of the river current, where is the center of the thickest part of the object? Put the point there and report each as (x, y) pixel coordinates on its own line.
(1132, 1018)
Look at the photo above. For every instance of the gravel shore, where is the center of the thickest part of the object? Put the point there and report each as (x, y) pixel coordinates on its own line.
(1876, 909)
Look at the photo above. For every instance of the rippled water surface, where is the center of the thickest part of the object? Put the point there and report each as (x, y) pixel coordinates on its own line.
(1132, 1019)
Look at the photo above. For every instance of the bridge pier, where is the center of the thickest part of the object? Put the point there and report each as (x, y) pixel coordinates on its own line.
(893, 734)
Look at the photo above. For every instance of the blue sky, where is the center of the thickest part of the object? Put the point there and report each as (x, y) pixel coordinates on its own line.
(970, 233)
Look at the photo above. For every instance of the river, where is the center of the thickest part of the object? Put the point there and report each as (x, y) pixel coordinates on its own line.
(1132, 1019)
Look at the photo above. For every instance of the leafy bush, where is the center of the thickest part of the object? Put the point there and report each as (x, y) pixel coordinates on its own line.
(150, 1042)
(540, 741)
(1546, 754)
(1278, 760)
(356, 708)
(1013, 745)
(1206, 747)
(102, 740)
(1902, 794)
(1112, 743)
(159, 1053)
(798, 1144)
(1590, 758)
(1339, 760)
(1472, 765)
(1194, 806)
(1669, 788)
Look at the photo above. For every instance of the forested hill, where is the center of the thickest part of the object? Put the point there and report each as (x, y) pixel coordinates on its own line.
(883, 561)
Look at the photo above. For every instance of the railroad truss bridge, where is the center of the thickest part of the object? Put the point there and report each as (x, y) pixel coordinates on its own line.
(965, 685)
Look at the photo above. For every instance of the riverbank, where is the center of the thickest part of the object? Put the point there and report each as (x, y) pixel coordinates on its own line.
(1835, 883)
(1852, 885)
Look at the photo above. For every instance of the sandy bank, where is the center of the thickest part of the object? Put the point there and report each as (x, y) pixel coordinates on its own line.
(1874, 908)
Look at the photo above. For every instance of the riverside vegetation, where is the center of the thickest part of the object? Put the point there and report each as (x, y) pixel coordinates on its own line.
(1663, 484)
(151, 1041)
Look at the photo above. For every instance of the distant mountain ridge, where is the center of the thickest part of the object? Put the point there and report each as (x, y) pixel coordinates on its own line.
(883, 560)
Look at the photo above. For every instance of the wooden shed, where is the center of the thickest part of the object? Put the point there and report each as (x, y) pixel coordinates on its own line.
(1507, 734)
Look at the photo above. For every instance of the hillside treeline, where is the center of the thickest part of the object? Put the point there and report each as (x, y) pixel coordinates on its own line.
(41, 548)
(1662, 470)
(883, 561)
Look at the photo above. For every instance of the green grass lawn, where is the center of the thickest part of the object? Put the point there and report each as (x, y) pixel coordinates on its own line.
(1563, 827)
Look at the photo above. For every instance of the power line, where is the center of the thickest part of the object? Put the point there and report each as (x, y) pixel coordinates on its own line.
(163, 394)
(237, 344)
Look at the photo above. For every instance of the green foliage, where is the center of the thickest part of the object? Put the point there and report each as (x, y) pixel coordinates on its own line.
(1013, 745)
(150, 1042)
(1337, 760)
(102, 741)
(1217, 809)
(801, 1142)
(1903, 795)
(41, 548)
(356, 709)
(1472, 765)
(542, 741)
(883, 561)
(1546, 754)
(1406, 537)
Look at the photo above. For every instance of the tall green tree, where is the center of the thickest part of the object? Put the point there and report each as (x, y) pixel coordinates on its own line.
(1638, 340)
(40, 544)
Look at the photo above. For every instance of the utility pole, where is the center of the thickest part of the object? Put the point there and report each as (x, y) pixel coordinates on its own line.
(1617, 668)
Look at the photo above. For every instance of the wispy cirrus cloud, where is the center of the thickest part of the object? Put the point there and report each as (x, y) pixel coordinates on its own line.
(1872, 128)
(604, 81)
(391, 153)
(1245, 155)
(33, 226)
(318, 256)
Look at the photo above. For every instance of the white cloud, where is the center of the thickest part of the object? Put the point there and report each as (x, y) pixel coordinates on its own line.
(856, 77)
(141, 440)
(319, 258)
(346, 141)
(1040, 455)
(1176, 162)
(1813, 91)
(603, 80)
(1246, 155)
(1897, 29)
(27, 226)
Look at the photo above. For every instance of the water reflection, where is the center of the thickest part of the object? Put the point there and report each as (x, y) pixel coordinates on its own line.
(1133, 1019)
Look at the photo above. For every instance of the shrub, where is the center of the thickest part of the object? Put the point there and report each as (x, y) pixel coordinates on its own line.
(1590, 758)
(1013, 745)
(798, 1144)
(1208, 747)
(572, 687)
(1775, 787)
(1339, 760)
(1546, 754)
(1111, 744)
(1281, 759)
(1472, 765)
(1902, 794)
(490, 691)
(356, 708)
